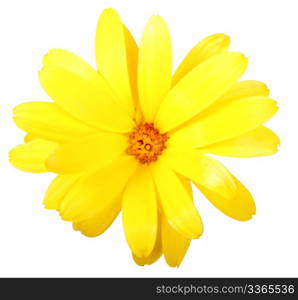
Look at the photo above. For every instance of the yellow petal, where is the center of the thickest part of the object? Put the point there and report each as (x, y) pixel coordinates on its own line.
(186, 183)
(174, 245)
(177, 204)
(225, 122)
(139, 211)
(241, 89)
(111, 57)
(92, 152)
(154, 255)
(29, 137)
(46, 120)
(244, 89)
(154, 67)
(66, 59)
(208, 47)
(93, 192)
(58, 189)
(60, 58)
(150, 259)
(200, 88)
(132, 62)
(90, 100)
(259, 142)
(202, 169)
(100, 222)
(241, 207)
(31, 157)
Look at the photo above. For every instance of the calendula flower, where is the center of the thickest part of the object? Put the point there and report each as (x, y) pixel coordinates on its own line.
(132, 137)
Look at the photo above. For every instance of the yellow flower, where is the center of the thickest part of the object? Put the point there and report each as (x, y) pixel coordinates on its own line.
(131, 137)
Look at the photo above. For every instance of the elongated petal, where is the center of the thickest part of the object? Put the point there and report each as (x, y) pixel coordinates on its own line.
(31, 157)
(100, 222)
(259, 142)
(174, 245)
(58, 189)
(132, 53)
(241, 207)
(225, 122)
(156, 252)
(64, 59)
(92, 152)
(208, 47)
(46, 120)
(200, 88)
(202, 169)
(139, 210)
(111, 57)
(154, 67)
(244, 89)
(89, 100)
(60, 58)
(95, 191)
(176, 202)
(239, 90)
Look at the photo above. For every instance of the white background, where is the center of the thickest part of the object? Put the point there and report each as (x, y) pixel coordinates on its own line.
(35, 242)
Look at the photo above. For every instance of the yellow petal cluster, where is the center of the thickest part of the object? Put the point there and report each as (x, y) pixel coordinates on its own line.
(89, 135)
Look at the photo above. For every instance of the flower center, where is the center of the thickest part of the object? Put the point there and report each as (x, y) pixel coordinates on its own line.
(146, 143)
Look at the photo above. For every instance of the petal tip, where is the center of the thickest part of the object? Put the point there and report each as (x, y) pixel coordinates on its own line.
(266, 89)
(243, 58)
(65, 213)
(273, 104)
(51, 162)
(109, 10)
(47, 206)
(156, 19)
(238, 56)
(246, 218)
(199, 234)
(109, 14)
(11, 156)
(142, 252)
(47, 56)
(17, 108)
(224, 38)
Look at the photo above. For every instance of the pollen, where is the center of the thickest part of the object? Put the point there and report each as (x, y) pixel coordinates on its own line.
(146, 143)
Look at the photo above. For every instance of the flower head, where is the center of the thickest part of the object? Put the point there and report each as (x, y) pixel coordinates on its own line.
(132, 137)
(146, 143)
